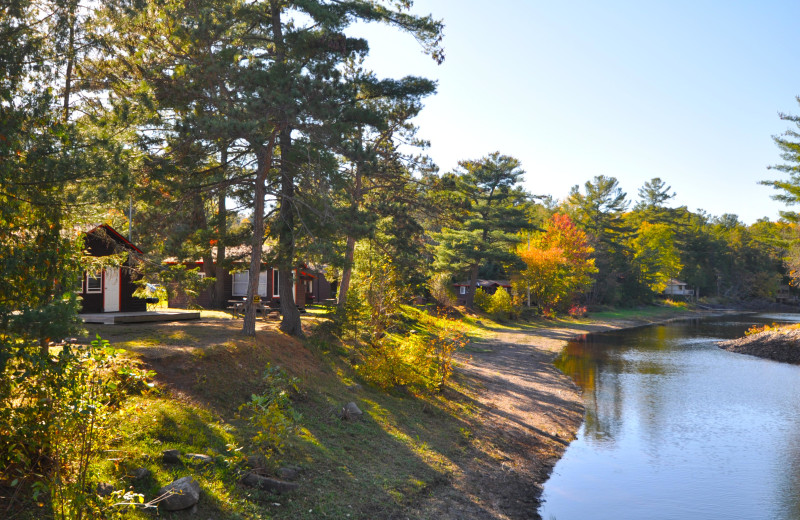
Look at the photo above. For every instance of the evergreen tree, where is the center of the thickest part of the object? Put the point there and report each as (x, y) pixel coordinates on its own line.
(493, 210)
(260, 82)
(600, 211)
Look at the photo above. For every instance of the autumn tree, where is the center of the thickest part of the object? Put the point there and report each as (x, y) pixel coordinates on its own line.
(492, 210)
(558, 264)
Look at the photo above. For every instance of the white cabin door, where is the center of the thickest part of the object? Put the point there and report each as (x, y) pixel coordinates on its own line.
(111, 289)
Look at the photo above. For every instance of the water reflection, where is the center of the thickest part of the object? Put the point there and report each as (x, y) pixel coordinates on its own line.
(677, 428)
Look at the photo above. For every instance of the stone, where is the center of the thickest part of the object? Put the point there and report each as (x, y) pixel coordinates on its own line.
(199, 457)
(255, 461)
(104, 489)
(140, 474)
(180, 494)
(351, 412)
(268, 484)
(288, 473)
(354, 386)
(171, 456)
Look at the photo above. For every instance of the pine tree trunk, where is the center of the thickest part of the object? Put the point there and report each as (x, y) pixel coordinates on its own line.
(218, 300)
(218, 292)
(347, 272)
(290, 324)
(473, 284)
(264, 162)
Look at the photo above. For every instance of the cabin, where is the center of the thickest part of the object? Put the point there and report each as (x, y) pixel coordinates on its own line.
(112, 288)
(489, 286)
(678, 288)
(786, 296)
(310, 284)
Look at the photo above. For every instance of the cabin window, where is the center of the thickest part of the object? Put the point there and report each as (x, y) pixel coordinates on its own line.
(94, 283)
(462, 290)
(240, 281)
(276, 293)
(309, 286)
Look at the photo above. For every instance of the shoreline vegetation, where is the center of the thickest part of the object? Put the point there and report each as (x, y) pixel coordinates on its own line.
(481, 448)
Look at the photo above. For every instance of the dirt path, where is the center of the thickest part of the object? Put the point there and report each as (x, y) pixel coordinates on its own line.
(528, 414)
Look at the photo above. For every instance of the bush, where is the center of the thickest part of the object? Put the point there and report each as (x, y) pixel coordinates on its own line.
(481, 299)
(422, 362)
(272, 414)
(59, 421)
(442, 290)
(499, 304)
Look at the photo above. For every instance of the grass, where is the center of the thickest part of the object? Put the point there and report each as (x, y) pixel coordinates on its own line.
(403, 447)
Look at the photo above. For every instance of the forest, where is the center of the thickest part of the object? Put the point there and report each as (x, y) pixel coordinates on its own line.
(215, 126)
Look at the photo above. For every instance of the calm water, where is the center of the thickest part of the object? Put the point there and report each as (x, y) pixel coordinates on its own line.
(677, 428)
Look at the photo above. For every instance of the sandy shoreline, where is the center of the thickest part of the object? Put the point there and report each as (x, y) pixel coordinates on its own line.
(529, 413)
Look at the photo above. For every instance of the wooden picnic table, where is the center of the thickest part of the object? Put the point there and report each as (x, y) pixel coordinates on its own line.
(239, 306)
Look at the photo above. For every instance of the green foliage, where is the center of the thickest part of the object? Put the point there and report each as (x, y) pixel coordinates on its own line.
(422, 361)
(441, 289)
(500, 304)
(271, 412)
(492, 208)
(481, 299)
(655, 257)
(58, 419)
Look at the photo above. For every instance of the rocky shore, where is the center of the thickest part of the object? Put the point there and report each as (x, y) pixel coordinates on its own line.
(782, 344)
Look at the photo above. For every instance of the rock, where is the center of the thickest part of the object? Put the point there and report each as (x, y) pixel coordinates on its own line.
(181, 494)
(351, 412)
(288, 473)
(140, 474)
(255, 461)
(171, 456)
(104, 489)
(354, 386)
(268, 484)
(199, 457)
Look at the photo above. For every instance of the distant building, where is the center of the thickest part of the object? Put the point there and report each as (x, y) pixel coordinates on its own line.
(786, 295)
(310, 284)
(678, 288)
(489, 286)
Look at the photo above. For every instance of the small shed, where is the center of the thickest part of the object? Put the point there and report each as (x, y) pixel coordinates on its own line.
(111, 289)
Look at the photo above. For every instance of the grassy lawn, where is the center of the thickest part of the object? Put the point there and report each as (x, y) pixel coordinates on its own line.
(404, 445)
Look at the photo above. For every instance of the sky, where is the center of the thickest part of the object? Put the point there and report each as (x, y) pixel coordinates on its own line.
(688, 91)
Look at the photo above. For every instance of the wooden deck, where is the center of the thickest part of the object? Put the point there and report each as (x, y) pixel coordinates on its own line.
(111, 318)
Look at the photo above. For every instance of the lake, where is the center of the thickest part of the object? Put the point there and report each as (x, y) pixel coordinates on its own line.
(677, 428)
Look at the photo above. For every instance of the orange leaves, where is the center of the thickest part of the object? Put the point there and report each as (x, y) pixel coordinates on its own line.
(557, 263)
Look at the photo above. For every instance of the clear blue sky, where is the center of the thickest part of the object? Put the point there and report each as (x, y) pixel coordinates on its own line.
(688, 91)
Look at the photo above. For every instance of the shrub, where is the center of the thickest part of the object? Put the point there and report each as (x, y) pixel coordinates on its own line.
(499, 303)
(578, 311)
(272, 414)
(481, 299)
(442, 291)
(59, 420)
(420, 361)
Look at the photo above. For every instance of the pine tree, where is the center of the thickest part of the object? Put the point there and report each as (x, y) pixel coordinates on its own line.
(493, 210)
